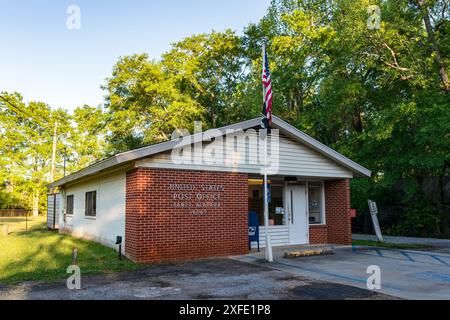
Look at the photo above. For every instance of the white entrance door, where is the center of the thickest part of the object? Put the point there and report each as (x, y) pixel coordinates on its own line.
(297, 214)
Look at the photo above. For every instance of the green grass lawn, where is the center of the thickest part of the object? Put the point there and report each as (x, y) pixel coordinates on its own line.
(404, 246)
(42, 255)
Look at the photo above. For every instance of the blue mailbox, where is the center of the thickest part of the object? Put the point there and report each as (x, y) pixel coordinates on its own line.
(253, 229)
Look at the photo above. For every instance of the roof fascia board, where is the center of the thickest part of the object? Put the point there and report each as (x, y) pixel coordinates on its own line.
(298, 135)
(97, 167)
(152, 150)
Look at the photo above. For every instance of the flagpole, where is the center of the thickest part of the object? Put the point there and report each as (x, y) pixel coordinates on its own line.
(269, 256)
(268, 246)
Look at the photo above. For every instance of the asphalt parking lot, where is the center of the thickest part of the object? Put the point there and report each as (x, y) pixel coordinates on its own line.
(217, 279)
(405, 274)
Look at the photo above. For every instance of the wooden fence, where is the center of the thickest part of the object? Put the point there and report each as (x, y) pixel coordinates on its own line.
(15, 212)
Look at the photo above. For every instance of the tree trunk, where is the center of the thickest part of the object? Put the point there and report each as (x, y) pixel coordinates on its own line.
(357, 120)
(433, 44)
(36, 204)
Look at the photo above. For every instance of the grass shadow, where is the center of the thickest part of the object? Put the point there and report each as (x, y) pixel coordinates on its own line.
(43, 255)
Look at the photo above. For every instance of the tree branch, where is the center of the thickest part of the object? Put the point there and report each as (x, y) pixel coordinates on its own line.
(423, 7)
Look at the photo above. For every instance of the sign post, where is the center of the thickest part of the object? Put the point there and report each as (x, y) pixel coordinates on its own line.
(374, 214)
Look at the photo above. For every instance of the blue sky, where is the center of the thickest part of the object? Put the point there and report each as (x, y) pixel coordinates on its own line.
(45, 61)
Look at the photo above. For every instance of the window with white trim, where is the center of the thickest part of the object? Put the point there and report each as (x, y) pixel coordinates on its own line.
(69, 210)
(315, 201)
(91, 204)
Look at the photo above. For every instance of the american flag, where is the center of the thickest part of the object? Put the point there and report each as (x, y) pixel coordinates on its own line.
(267, 90)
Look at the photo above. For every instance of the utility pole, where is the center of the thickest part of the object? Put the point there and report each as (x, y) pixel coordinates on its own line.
(55, 139)
(65, 156)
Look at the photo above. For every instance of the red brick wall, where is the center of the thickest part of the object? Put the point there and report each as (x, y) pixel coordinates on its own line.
(318, 234)
(337, 207)
(157, 231)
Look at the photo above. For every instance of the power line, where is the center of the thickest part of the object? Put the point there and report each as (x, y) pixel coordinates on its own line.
(55, 137)
(22, 111)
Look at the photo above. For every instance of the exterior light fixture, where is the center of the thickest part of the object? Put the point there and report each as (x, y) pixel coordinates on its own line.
(119, 243)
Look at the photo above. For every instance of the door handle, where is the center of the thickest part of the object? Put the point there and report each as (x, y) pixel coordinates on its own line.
(292, 206)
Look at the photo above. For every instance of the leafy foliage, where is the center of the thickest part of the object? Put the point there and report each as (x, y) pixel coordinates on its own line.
(27, 143)
(378, 96)
(144, 105)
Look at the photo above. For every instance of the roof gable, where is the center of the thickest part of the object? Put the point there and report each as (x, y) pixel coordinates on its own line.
(284, 127)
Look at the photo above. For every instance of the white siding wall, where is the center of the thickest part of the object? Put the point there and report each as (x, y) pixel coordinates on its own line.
(110, 220)
(51, 210)
(295, 160)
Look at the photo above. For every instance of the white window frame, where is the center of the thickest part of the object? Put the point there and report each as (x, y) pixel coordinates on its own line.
(96, 205)
(322, 202)
(73, 205)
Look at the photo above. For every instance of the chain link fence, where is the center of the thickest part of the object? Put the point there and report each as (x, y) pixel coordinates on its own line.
(18, 220)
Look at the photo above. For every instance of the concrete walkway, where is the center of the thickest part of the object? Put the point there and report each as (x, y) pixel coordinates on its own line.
(406, 274)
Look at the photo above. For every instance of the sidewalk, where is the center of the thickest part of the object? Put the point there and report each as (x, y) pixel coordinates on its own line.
(441, 243)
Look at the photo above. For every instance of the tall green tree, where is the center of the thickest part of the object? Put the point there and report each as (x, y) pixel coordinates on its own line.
(378, 95)
(26, 149)
(86, 142)
(144, 104)
(209, 68)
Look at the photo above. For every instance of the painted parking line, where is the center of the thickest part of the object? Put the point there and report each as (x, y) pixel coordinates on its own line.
(432, 276)
(407, 256)
(419, 253)
(404, 255)
(410, 280)
(378, 251)
(392, 255)
(437, 258)
(336, 275)
(323, 273)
